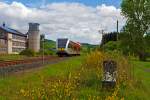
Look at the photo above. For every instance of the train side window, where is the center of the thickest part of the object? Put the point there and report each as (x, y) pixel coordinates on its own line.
(69, 46)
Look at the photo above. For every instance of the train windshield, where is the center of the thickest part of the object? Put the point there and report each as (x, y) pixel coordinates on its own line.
(62, 43)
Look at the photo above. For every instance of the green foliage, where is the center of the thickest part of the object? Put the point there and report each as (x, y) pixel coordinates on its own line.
(126, 44)
(147, 39)
(46, 52)
(28, 52)
(57, 79)
(49, 47)
(88, 76)
(11, 86)
(110, 46)
(137, 13)
(87, 48)
(48, 44)
(109, 37)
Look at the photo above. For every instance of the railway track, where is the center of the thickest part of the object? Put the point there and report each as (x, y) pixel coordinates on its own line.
(8, 67)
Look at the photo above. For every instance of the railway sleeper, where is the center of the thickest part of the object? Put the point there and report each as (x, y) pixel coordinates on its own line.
(23, 65)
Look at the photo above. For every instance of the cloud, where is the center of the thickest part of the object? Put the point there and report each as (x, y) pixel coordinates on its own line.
(75, 21)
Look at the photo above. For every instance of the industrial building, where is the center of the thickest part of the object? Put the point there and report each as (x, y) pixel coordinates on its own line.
(13, 41)
(34, 37)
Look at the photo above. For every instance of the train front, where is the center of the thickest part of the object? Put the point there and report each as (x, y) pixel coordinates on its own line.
(61, 46)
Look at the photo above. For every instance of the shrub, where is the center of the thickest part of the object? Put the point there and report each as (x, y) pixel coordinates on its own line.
(110, 46)
(95, 61)
(46, 52)
(93, 66)
(28, 52)
(89, 76)
(54, 89)
(142, 56)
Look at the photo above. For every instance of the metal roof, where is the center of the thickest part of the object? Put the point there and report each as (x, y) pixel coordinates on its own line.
(12, 31)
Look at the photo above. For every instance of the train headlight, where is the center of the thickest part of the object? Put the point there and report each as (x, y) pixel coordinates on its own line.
(61, 49)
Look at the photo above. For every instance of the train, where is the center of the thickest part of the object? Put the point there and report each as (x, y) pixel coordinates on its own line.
(66, 47)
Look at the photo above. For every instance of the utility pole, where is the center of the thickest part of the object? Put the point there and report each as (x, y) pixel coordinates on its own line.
(101, 32)
(117, 25)
(117, 29)
(102, 35)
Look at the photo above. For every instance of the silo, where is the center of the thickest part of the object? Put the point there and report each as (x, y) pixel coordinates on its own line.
(34, 37)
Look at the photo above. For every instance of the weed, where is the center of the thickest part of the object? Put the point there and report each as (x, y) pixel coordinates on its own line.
(88, 77)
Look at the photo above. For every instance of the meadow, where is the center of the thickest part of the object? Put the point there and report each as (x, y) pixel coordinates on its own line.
(69, 80)
(10, 86)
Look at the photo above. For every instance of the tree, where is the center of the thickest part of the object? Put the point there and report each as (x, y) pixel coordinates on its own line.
(110, 46)
(137, 13)
(147, 39)
(112, 36)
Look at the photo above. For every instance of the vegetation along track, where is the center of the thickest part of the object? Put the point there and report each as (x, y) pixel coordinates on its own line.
(8, 67)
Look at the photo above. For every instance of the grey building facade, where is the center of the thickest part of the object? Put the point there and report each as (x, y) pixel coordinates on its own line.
(13, 41)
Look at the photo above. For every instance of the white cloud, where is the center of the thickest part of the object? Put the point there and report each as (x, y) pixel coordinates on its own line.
(72, 20)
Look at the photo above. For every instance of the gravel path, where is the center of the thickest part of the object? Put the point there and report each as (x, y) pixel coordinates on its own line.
(8, 70)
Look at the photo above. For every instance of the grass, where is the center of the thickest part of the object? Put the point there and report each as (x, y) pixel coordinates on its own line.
(11, 57)
(141, 91)
(10, 86)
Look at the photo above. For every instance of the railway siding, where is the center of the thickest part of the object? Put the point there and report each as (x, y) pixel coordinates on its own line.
(9, 67)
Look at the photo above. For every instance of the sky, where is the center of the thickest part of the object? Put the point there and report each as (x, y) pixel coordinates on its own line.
(94, 3)
(78, 20)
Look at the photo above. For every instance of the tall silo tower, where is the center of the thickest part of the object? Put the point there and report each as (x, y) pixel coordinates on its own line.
(34, 37)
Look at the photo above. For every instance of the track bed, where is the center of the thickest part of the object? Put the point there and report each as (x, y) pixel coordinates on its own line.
(8, 67)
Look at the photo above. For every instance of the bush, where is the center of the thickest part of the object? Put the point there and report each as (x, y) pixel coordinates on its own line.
(111, 46)
(54, 88)
(28, 52)
(95, 61)
(89, 77)
(142, 56)
(92, 72)
(46, 52)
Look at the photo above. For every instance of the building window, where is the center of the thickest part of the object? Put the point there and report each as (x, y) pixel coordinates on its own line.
(3, 35)
(17, 49)
(17, 37)
(3, 49)
(3, 42)
(22, 44)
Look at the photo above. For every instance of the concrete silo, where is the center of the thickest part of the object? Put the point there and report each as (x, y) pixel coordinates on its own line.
(34, 37)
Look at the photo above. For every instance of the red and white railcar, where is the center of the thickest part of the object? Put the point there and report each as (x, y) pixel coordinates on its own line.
(67, 47)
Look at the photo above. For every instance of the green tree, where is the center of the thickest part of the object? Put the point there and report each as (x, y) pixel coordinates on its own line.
(110, 46)
(137, 13)
(147, 39)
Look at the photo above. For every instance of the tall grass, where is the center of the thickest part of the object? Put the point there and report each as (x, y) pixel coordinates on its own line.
(84, 83)
(95, 61)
